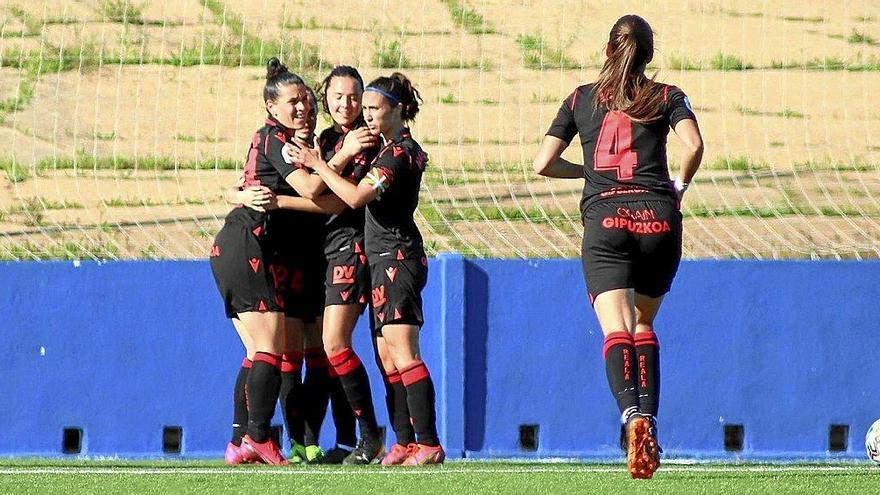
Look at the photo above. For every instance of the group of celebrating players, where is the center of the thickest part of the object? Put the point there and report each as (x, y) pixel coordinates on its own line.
(324, 227)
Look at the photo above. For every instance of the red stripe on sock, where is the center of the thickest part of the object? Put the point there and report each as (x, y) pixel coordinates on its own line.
(616, 338)
(345, 362)
(291, 362)
(270, 359)
(414, 373)
(246, 363)
(647, 338)
(393, 377)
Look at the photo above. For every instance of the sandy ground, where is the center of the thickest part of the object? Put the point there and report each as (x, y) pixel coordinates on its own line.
(787, 123)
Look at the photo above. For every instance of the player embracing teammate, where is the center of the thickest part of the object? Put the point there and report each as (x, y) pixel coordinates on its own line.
(366, 175)
(630, 211)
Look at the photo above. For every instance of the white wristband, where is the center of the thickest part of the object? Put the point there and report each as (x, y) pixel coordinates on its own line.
(679, 185)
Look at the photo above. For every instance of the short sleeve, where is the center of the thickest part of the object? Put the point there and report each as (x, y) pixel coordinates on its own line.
(392, 163)
(564, 126)
(272, 148)
(678, 106)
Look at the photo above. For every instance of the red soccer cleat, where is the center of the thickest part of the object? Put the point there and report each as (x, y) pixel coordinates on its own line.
(398, 454)
(421, 455)
(642, 454)
(267, 452)
(237, 455)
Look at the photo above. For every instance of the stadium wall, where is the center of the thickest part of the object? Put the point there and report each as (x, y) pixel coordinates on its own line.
(124, 349)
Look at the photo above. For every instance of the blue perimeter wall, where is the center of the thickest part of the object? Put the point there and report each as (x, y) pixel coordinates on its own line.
(786, 349)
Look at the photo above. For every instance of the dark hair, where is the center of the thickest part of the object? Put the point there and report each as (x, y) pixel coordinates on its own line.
(338, 71)
(278, 76)
(622, 84)
(401, 89)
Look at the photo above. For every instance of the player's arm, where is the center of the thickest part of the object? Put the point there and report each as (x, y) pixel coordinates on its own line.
(684, 124)
(549, 162)
(253, 197)
(355, 142)
(328, 204)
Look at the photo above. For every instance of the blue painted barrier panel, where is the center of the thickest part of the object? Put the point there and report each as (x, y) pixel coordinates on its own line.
(785, 349)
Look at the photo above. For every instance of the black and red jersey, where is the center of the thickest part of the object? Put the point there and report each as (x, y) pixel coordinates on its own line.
(621, 158)
(265, 164)
(347, 227)
(396, 174)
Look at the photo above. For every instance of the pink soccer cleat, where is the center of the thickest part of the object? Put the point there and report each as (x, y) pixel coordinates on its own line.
(398, 454)
(421, 455)
(237, 455)
(267, 452)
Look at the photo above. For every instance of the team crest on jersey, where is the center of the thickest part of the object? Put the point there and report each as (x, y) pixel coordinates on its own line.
(379, 178)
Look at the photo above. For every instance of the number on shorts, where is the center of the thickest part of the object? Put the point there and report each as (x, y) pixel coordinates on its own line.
(614, 147)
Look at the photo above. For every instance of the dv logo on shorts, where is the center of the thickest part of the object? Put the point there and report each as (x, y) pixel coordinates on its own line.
(379, 296)
(343, 274)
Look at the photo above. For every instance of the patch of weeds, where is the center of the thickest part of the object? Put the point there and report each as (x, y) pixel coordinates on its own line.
(537, 54)
(857, 37)
(776, 144)
(683, 62)
(64, 251)
(725, 62)
(786, 113)
(388, 55)
(736, 163)
(797, 18)
(487, 101)
(126, 11)
(185, 138)
(468, 18)
(536, 98)
(105, 136)
(449, 99)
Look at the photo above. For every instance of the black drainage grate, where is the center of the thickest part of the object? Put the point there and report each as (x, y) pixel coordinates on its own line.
(71, 440)
(172, 439)
(528, 438)
(733, 438)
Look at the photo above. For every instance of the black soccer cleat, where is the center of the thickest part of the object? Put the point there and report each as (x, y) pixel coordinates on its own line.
(368, 451)
(333, 456)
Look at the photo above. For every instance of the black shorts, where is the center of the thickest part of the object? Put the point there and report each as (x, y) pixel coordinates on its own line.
(347, 280)
(299, 278)
(242, 263)
(397, 292)
(631, 244)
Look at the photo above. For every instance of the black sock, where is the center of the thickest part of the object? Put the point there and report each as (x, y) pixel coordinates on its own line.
(343, 416)
(620, 368)
(648, 357)
(351, 372)
(315, 394)
(291, 395)
(239, 403)
(263, 383)
(420, 400)
(398, 410)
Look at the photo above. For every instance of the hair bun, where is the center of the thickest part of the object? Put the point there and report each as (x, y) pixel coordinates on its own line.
(274, 67)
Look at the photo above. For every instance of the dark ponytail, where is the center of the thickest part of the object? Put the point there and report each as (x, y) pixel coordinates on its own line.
(401, 89)
(622, 84)
(338, 71)
(277, 76)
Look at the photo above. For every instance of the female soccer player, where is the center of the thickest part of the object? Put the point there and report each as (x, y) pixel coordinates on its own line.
(630, 210)
(243, 262)
(396, 257)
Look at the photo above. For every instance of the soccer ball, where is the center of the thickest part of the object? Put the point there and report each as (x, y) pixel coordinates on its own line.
(872, 442)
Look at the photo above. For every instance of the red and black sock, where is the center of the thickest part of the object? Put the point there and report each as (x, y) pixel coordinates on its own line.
(398, 410)
(343, 416)
(239, 403)
(648, 358)
(420, 400)
(263, 384)
(353, 376)
(620, 367)
(291, 396)
(315, 393)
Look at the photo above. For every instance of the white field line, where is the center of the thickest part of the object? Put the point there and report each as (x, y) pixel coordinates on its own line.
(441, 471)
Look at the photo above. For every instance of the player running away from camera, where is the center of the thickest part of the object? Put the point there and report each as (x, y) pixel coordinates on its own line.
(244, 259)
(398, 269)
(630, 211)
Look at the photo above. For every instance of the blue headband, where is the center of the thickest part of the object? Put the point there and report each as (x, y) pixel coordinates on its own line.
(391, 98)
